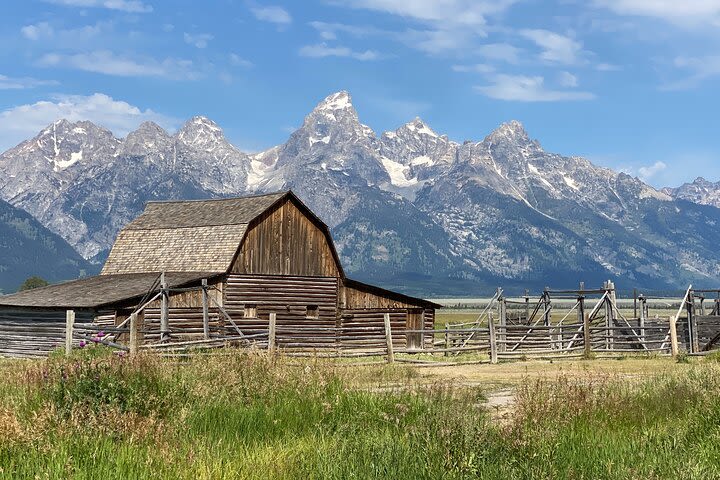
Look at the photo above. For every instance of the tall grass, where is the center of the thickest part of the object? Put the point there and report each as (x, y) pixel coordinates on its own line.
(248, 416)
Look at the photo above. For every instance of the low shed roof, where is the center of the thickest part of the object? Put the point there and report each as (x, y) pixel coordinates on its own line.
(99, 291)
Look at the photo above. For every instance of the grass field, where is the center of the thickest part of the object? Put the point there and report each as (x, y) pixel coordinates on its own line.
(95, 415)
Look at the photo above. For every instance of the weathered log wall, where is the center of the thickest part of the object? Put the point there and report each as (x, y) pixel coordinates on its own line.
(34, 333)
(289, 298)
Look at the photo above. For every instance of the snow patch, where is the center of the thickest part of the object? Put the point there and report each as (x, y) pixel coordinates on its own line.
(421, 128)
(397, 172)
(79, 130)
(257, 174)
(422, 160)
(570, 183)
(325, 140)
(337, 101)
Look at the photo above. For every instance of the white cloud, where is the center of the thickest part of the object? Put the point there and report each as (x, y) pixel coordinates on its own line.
(20, 83)
(522, 88)
(699, 69)
(238, 61)
(476, 68)
(457, 12)
(556, 48)
(436, 26)
(25, 121)
(199, 40)
(35, 32)
(647, 172)
(607, 67)
(568, 80)
(131, 6)
(322, 50)
(329, 31)
(273, 14)
(65, 38)
(673, 11)
(108, 63)
(500, 51)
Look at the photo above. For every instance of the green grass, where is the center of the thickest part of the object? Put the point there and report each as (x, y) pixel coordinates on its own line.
(247, 416)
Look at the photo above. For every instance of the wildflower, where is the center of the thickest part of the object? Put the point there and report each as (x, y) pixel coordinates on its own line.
(82, 343)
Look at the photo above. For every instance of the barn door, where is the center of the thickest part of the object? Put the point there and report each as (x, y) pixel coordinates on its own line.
(414, 321)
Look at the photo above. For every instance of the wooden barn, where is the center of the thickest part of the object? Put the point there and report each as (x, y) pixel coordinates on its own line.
(218, 269)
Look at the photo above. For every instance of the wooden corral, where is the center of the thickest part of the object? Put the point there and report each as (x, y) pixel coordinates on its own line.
(261, 267)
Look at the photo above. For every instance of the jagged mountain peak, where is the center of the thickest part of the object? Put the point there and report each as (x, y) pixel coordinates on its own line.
(512, 130)
(150, 127)
(200, 131)
(147, 138)
(337, 101)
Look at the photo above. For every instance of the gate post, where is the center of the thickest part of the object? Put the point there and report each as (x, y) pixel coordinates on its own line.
(388, 339)
(69, 326)
(493, 340)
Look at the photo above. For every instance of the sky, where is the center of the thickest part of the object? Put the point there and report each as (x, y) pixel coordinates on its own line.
(629, 84)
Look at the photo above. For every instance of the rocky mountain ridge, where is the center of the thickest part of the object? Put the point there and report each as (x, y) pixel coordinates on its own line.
(409, 209)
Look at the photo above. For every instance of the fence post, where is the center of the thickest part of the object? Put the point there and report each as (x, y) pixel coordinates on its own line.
(271, 332)
(133, 334)
(447, 339)
(673, 337)
(206, 313)
(69, 326)
(642, 318)
(503, 324)
(388, 339)
(587, 341)
(693, 343)
(164, 310)
(493, 340)
(527, 305)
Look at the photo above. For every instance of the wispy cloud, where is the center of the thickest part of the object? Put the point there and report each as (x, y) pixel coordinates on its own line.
(130, 6)
(199, 40)
(435, 27)
(568, 80)
(696, 69)
(502, 52)
(475, 68)
(21, 83)
(690, 12)
(520, 88)
(272, 14)
(71, 37)
(109, 63)
(556, 48)
(25, 121)
(322, 50)
(457, 12)
(238, 61)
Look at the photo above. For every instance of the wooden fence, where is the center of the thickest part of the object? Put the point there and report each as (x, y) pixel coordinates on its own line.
(504, 330)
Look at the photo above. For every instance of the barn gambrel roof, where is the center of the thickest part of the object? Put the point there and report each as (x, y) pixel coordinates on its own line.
(187, 236)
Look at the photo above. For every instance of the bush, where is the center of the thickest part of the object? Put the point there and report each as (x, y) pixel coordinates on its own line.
(33, 282)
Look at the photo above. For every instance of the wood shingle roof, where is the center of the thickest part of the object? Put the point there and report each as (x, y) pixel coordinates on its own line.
(96, 292)
(186, 236)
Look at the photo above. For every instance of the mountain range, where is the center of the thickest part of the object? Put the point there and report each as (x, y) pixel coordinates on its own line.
(409, 209)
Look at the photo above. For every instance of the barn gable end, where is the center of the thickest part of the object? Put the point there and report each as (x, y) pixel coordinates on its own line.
(287, 239)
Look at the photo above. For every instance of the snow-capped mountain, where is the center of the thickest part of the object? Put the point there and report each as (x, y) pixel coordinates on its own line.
(407, 206)
(698, 191)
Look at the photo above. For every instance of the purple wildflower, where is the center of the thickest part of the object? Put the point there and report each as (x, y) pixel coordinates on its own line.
(82, 343)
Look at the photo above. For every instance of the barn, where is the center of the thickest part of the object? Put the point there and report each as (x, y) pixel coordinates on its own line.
(204, 269)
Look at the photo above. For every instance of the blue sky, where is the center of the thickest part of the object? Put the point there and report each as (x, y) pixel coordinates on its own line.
(630, 84)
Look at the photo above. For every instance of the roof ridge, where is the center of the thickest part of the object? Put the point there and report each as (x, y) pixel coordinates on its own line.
(197, 200)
